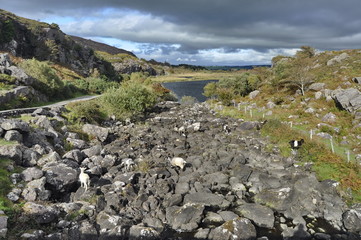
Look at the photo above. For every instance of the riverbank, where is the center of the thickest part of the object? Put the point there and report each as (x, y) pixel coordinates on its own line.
(231, 187)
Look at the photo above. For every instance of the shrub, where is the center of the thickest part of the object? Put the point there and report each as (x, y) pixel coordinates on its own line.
(47, 81)
(85, 110)
(188, 100)
(130, 100)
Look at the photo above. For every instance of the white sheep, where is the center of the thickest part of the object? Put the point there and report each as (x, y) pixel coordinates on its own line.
(84, 179)
(178, 162)
(128, 163)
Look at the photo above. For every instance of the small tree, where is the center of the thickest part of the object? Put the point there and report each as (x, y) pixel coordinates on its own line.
(301, 77)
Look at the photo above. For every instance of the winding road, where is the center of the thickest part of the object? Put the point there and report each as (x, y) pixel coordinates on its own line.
(31, 109)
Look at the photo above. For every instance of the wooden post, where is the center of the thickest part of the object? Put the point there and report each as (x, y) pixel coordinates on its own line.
(311, 134)
(348, 156)
(332, 148)
(263, 115)
(291, 124)
(245, 109)
(251, 113)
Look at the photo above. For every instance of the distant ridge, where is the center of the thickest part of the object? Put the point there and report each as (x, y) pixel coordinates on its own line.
(235, 67)
(101, 46)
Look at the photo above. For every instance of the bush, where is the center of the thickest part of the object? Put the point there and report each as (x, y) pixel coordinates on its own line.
(188, 100)
(130, 100)
(47, 81)
(89, 111)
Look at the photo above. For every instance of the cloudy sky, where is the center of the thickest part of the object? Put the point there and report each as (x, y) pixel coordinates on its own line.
(204, 32)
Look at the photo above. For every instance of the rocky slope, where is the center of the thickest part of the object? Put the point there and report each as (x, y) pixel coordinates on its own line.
(230, 188)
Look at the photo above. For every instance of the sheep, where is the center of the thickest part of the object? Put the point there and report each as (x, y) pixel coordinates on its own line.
(178, 162)
(296, 144)
(84, 179)
(128, 163)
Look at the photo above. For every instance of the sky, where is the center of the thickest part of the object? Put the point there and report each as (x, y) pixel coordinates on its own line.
(204, 32)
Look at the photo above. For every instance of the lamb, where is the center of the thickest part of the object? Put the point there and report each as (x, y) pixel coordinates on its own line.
(178, 162)
(84, 179)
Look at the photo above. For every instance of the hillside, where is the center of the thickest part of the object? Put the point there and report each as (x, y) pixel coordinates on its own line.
(96, 46)
(311, 96)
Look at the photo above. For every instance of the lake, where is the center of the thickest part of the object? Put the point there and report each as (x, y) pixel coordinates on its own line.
(188, 88)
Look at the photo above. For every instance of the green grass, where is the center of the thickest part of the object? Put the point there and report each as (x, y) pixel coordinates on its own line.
(4, 142)
(5, 184)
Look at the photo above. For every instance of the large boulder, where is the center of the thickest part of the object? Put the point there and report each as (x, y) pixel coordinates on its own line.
(352, 220)
(237, 229)
(41, 214)
(262, 216)
(14, 124)
(13, 152)
(206, 199)
(347, 99)
(60, 176)
(99, 132)
(185, 218)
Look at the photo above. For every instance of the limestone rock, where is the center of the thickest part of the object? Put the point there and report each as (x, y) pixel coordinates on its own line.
(238, 229)
(352, 220)
(40, 213)
(99, 132)
(262, 216)
(185, 218)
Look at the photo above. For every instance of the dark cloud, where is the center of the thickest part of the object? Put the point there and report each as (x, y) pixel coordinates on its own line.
(198, 25)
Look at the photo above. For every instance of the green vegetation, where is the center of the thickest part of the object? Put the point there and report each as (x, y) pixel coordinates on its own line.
(230, 88)
(7, 31)
(5, 184)
(286, 84)
(131, 99)
(47, 81)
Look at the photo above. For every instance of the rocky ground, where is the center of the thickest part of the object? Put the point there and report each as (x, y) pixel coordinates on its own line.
(230, 187)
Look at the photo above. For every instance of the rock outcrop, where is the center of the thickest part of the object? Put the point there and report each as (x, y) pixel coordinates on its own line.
(230, 187)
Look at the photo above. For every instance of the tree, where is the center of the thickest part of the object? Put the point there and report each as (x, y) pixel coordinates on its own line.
(301, 77)
(306, 52)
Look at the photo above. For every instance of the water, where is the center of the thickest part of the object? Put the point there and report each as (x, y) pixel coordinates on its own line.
(190, 88)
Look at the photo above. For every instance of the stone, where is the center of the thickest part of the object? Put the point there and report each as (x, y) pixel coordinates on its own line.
(352, 220)
(42, 111)
(318, 95)
(88, 231)
(271, 105)
(32, 173)
(337, 59)
(206, 199)
(254, 94)
(40, 213)
(3, 224)
(347, 99)
(92, 151)
(13, 152)
(13, 124)
(13, 135)
(99, 132)
(185, 218)
(316, 87)
(60, 176)
(298, 232)
(52, 157)
(262, 216)
(30, 157)
(75, 154)
(212, 219)
(77, 143)
(238, 229)
(141, 232)
(329, 117)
